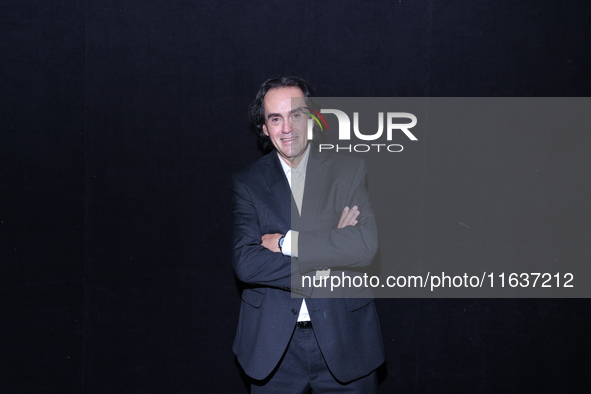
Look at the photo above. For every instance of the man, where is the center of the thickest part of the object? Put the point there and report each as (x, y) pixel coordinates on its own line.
(298, 212)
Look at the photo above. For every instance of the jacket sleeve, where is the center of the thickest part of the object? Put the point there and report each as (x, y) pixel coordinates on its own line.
(252, 262)
(351, 246)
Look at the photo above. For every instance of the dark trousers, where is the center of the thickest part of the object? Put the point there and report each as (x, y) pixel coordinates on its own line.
(303, 370)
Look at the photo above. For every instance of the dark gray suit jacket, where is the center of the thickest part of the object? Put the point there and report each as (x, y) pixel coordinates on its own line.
(347, 329)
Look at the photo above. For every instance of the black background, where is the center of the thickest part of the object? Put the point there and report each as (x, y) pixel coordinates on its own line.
(121, 124)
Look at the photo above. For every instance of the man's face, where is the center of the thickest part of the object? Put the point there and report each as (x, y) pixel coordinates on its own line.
(286, 127)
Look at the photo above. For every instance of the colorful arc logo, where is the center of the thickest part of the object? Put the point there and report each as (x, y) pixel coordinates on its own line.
(317, 118)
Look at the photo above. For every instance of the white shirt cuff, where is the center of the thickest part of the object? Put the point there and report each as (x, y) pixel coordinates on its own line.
(290, 244)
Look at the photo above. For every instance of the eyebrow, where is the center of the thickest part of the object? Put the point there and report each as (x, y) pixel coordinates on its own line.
(273, 115)
(298, 109)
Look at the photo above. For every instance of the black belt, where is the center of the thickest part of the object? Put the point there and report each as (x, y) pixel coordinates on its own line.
(304, 324)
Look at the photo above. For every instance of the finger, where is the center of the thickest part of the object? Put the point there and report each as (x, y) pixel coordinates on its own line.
(343, 216)
(351, 215)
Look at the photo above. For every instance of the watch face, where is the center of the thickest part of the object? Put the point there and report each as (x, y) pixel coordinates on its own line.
(281, 241)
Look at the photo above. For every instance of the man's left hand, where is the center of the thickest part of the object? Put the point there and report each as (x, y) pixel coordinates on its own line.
(271, 242)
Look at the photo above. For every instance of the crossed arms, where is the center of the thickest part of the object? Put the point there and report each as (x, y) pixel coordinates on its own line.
(350, 241)
(348, 218)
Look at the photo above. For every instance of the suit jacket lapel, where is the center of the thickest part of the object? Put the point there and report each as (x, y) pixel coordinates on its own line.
(316, 174)
(279, 190)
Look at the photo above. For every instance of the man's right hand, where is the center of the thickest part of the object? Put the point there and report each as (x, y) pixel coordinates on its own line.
(349, 217)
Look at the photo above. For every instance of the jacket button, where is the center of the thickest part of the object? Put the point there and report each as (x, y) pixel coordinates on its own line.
(294, 311)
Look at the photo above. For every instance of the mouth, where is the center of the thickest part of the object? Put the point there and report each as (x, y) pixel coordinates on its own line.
(288, 139)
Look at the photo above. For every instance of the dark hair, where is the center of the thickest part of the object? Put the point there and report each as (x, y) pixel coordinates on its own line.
(257, 108)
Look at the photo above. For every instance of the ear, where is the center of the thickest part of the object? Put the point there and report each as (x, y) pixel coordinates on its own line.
(265, 130)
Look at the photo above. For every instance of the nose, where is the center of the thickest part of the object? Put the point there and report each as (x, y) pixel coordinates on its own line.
(286, 126)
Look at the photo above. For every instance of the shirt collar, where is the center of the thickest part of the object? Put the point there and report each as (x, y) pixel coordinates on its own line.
(301, 168)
